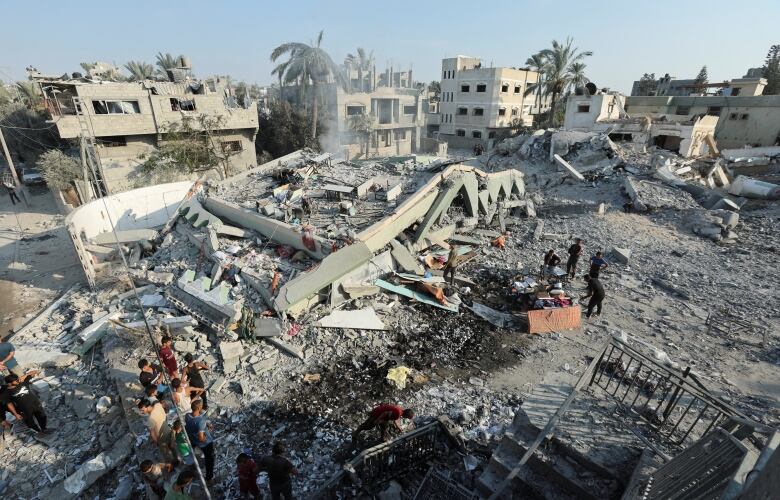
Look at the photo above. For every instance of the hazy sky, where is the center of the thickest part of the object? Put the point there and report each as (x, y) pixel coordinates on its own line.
(236, 37)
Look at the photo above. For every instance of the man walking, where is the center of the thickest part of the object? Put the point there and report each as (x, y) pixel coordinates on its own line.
(24, 401)
(9, 186)
(280, 470)
(575, 252)
(199, 432)
(381, 417)
(596, 294)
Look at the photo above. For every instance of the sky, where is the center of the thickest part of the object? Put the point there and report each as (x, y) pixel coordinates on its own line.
(235, 38)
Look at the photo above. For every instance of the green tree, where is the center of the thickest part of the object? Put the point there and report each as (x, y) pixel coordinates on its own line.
(435, 88)
(309, 63)
(362, 61)
(165, 62)
(772, 71)
(536, 63)
(5, 96)
(140, 70)
(577, 74)
(282, 130)
(702, 76)
(648, 84)
(58, 169)
(30, 94)
(558, 70)
(363, 126)
(191, 145)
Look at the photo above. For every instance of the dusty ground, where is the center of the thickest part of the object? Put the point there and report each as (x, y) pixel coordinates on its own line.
(37, 259)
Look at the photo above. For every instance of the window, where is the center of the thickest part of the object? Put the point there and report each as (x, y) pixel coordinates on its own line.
(400, 135)
(232, 146)
(682, 110)
(713, 110)
(481, 87)
(492, 134)
(504, 87)
(743, 116)
(518, 87)
(182, 104)
(479, 111)
(444, 75)
(410, 110)
(460, 133)
(431, 108)
(116, 107)
(515, 111)
(463, 111)
(735, 91)
(476, 134)
(733, 116)
(501, 111)
(112, 141)
(355, 110)
(583, 108)
(465, 88)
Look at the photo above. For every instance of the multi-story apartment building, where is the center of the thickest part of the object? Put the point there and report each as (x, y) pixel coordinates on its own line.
(478, 102)
(129, 119)
(396, 114)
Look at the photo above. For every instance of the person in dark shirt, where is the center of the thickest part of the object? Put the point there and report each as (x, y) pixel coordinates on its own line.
(551, 260)
(5, 400)
(247, 476)
(279, 471)
(596, 294)
(575, 252)
(24, 401)
(151, 375)
(381, 416)
(191, 373)
(597, 264)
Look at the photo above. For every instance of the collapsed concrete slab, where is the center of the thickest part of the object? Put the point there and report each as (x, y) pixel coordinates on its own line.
(361, 319)
(94, 469)
(211, 307)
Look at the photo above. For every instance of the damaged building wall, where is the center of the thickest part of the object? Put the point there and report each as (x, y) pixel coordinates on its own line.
(143, 208)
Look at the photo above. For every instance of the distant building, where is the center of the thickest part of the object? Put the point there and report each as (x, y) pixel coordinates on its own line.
(671, 86)
(394, 103)
(129, 119)
(477, 103)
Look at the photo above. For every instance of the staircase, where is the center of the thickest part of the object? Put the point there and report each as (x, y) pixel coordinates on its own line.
(555, 470)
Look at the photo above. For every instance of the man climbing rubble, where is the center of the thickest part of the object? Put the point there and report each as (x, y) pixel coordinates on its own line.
(382, 416)
(596, 294)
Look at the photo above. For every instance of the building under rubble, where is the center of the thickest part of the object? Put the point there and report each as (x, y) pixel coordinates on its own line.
(127, 120)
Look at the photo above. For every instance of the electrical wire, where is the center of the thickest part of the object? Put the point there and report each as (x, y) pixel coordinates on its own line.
(28, 128)
(155, 347)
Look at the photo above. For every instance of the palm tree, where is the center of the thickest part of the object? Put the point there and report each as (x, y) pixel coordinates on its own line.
(558, 69)
(309, 63)
(536, 62)
(165, 62)
(30, 93)
(577, 75)
(279, 71)
(362, 61)
(87, 67)
(140, 70)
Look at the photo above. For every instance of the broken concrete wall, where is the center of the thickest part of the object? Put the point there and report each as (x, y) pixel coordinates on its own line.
(278, 231)
(144, 208)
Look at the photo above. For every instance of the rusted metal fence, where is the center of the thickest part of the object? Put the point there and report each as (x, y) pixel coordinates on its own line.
(671, 401)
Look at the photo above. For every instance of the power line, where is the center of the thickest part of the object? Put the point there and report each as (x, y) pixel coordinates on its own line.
(27, 128)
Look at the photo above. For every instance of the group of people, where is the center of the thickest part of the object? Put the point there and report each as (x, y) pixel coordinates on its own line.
(595, 290)
(186, 395)
(17, 395)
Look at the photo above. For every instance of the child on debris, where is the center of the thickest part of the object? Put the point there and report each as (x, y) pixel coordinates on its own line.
(179, 443)
(247, 476)
(167, 356)
(154, 476)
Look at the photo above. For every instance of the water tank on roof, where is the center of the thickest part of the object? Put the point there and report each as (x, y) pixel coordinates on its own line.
(185, 63)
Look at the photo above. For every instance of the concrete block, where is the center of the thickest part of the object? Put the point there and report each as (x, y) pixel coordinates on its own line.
(231, 350)
(621, 254)
(212, 241)
(185, 346)
(264, 365)
(268, 327)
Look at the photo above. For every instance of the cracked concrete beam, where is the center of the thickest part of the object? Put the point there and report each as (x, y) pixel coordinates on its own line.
(470, 193)
(278, 231)
(295, 294)
(484, 201)
(380, 234)
(439, 207)
(404, 258)
(198, 216)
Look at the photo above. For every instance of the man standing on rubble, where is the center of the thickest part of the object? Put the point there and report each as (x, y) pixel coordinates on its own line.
(151, 375)
(575, 252)
(159, 430)
(381, 417)
(191, 374)
(452, 264)
(597, 264)
(596, 294)
(199, 431)
(167, 356)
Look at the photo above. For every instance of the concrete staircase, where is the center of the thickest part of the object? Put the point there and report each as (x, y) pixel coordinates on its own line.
(555, 470)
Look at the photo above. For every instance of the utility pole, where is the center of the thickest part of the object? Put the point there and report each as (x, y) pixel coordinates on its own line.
(17, 183)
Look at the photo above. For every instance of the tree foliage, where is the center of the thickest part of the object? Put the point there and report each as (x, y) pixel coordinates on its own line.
(648, 84)
(26, 131)
(435, 88)
(283, 130)
(191, 145)
(58, 169)
(772, 71)
(363, 126)
(362, 61)
(140, 70)
(702, 76)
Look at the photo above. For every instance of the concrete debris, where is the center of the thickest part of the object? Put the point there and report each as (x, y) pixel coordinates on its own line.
(268, 327)
(622, 255)
(361, 319)
(94, 469)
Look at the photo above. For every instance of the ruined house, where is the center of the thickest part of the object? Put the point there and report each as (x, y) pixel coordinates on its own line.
(126, 120)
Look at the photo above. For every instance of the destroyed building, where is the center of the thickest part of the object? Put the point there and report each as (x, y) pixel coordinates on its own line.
(478, 103)
(123, 121)
(748, 85)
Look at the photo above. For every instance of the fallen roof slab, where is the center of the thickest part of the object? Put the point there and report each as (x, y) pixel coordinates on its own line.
(359, 319)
